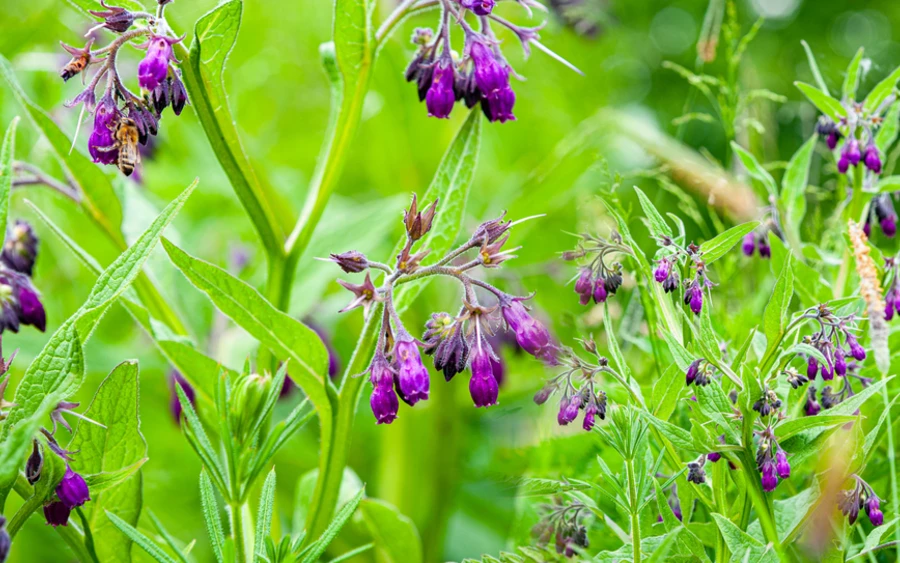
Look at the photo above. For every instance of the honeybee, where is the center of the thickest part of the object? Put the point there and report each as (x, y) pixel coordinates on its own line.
(81, 58)
(125, 140)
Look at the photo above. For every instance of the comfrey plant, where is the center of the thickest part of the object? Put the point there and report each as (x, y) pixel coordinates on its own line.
(597, 280)
(481, 75)
(455, 341)
(122, 119)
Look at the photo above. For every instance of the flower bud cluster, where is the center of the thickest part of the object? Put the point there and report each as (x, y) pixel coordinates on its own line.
(882, 210)
(860, 497)
(675, 259)
(597, 280)
(578, 387)
(122, 120)
(455, 342)
(561, 522)
(20, 302)
(857, 132)
(758, 239)
(892, 292)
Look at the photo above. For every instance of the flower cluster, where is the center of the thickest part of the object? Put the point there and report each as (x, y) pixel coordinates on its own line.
(771, 460)
(560, 522)
(699, 373)
(892, 293)
(758, 239)
(122, 120)
(858, 135)
(696, 472)
(860, 496)
(597, 280)
(71, 491)
(481, 74)
(20, 303)
(456, 342)
(578, 385)
(842, 352)
(882, 210)
(677, 258)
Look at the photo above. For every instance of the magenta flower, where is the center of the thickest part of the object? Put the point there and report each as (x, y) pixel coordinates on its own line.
(531, 335)
(153, 69)
(440, 97)
(411, 373)
(72, 490)
(383, 401)
(101, 142)
(483, 385)
(57, 514)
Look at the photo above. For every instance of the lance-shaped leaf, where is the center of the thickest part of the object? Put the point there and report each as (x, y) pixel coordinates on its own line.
(793, 188)
(851, 78)
(718, 246)
(881, 91)
(826, 104)
(58, 369)
(658, 225)
(777, 314)
(7, 153)
(117, 445)
(755, 169)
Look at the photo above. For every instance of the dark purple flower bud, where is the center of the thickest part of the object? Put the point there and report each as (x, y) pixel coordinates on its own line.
(696, 473)
(671, 283)
(867, 227)
(832, 140)
(663, 267)
(843, 163)
(568, 409)
(811, 407)
(692, 371)
(492, 79)
(479, 7)
(812, 368)
(599, 290)
(20, 248)
(827, 372)
(5, 540)
(765, 251)
(114, 18)
(351, 262)
(541, 396)
(498, 105)
(890, 303)
(101, 144)
(589, 413)
(72, 490)
(749, 244)
(413, 377)
(693, 296)
(769, 479)
(175, 378)
(856, 350)
(713, 456)
(889, 225)
(441, 96)
(840, 363)
(57, 514)
(483, 386)
(452, 354)
(31, 310)
(851, 151)
(530, 333)
(873, 510)
(584, 285)
(35, 464)
(155, 66)
(872, 159)
(384, 400)
(781, 464)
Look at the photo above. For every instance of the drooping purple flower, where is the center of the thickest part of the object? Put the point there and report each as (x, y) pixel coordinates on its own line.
(832, 140)
(769, 479)
(812, 368)
(749, 244)
(114, 18)
(872, 159)
(840, 362)
(589, 413)
(57, 514)
(693, 296)
(568, 409)
(153, 69)
(492, 79)
(811, 407)
(440, 97)
(483, 386)
(412, 374)
(851, 150)
(20, 248)
(72, 490)
(531, 335)
(384, 400)
(765, 251)
(584, 286)
(692, 371)
(599, 291)
(713, 456)
(781, 464)
(31, 310)
(873, 510)
(890, 302)
(101, 143)
(663, 267)
(889, 225)
(479, 7)
(175, 378)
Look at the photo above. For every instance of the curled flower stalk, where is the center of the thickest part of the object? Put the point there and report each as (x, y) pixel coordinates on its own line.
(861, 497)
(562, 522)
(596, 279)
(578, 387)
(455, 341)
(122, 119)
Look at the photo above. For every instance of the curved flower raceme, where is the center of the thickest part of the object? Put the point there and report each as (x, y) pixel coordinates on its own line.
(597, 280)
(455, 342)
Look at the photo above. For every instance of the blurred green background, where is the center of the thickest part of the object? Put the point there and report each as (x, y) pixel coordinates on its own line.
(447, 466)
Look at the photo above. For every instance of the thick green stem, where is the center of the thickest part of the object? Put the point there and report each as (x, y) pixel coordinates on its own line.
(237, 532)
(634, 503)
(763, 508)
(21, 516)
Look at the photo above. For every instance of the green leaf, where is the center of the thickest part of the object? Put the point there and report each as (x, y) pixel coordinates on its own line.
(264, 517)
(211, 516)
(873, 434)
(666, 392)
(623, 369)
(7, 154)
(395, 536)
(215, 35)
(57, 371)
(881, 91)
(777, 313)
(717, 247)
(450, 184)
(196, 435)
(826, 104)
(814, 67)
(99, 482)
(889, 129)
(793, 186)
(354, 39)
(874, 539)
(887, 184)
(851, 79)
(85, 5)
(317, 548)
(742, 546)
(717, 407)
(99, 197)
(117, 447)
(796, 425)
(755, 169)
(658, 225)
(287, 337)
(679, 437)
(141, 540)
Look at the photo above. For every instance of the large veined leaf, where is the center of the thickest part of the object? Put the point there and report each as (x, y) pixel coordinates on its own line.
(793, 186)
(777, 314)
(58, 369)
(851, 78)
(743, 546)
(353, 40)
(116, 445)
(99, 198)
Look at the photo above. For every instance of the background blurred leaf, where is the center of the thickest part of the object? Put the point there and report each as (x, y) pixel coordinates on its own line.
(395, 535)
(718, 246)
(117, 446)
(7, 154)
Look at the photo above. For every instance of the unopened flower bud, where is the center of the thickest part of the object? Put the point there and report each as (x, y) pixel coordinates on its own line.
(114, 18)
(483, 386)
(57, 514)
(72, 490)
(35, 463)
(20, 248)
(352, 262)
(248, 403)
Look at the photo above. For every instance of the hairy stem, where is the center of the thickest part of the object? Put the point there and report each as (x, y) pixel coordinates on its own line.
(634, 503)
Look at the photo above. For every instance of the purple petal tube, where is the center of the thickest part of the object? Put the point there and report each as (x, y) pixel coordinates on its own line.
(769, 479)
(384, 400)
(600, 291)
(175, 378)
(31, 310)
(851, 151)
(872, 159)
(856, 350)
(713, 456)
(568, 410)
(105, 117)
(483, 386)
(812, 368)
(781, 465)
(153, 68)
(662, 270)
(749, 244)
(414, 382)
(440, 97)
(479, 7)
(72, 490)
(57, 514)
(589, 416)
(531, 335)
(873, 510)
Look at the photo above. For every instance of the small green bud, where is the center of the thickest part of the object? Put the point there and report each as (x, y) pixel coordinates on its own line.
(248, 402)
